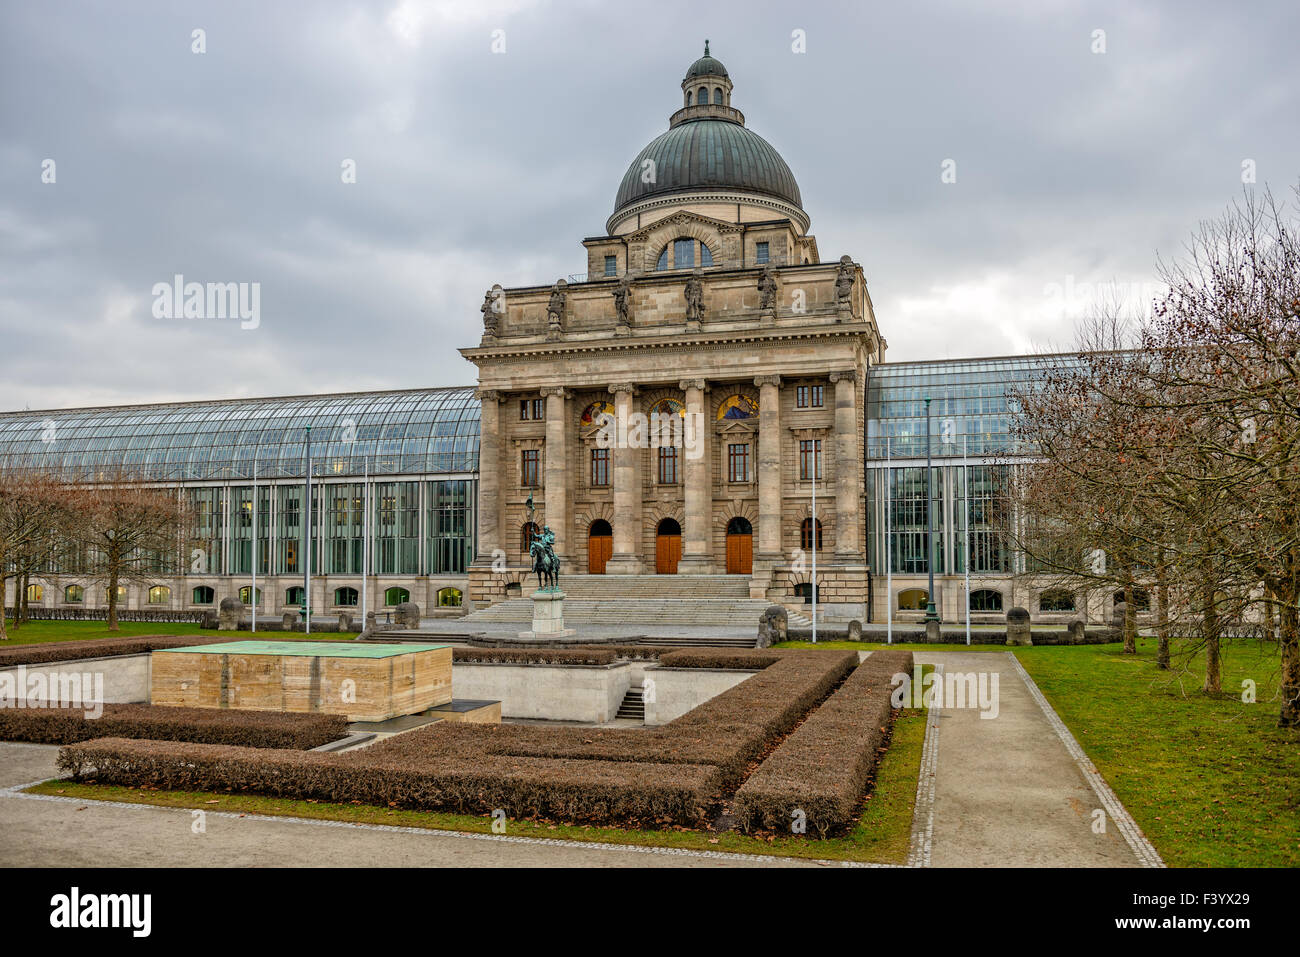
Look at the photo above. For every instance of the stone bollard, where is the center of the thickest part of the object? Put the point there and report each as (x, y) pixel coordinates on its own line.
(210, 620)
(932, 632)
(345, 621)
(1078, 632)
(773, 626)
(855, 630)
(407, 615)
(230, 613)
(1018, 630)
(288, 620)
(370, 624)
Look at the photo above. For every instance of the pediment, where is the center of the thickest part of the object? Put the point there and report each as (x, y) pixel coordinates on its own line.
(680, 220)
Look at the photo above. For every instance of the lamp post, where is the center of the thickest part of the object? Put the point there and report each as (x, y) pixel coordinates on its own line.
(930, 613)
(306, 552)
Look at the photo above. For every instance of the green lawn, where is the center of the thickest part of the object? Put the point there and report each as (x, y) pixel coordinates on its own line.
(881, 835)
(1213, 782)
(36, 632)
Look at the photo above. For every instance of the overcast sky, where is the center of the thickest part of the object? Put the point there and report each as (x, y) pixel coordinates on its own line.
(1073, 167)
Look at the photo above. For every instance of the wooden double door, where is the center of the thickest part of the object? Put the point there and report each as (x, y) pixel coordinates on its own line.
(740, 547)
(600, 546)
(668, 547)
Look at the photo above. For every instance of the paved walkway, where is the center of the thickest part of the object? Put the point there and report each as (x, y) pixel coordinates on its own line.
(1007, 790)
(1014, 790)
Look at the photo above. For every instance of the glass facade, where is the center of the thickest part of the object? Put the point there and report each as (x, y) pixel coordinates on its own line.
(414, 432)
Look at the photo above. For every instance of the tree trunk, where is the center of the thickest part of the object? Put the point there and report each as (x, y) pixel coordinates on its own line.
(20, 600)
(1130, 620)
(1162, 619)
(1210, 634)
(4, 581)
(1290, 648)
(114, 567)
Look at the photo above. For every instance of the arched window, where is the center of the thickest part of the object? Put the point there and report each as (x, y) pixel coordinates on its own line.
(160, 595)
(1056, 599)
(121, 593)
(688, 97)
(737, 407)
(704, 94)
(1141, 600)
(449, 597)
(806, 535)
(662, 264)
(35, 592)
(684, 254)
(74, 594)
(203, 595)
(346, 596)
(526, 533)
(294, 595)
(706, 257)
(717, 96)
(246, 595)
(514, 590)
(395, 596)
(804, 590)
(913, 599)
(985, 599)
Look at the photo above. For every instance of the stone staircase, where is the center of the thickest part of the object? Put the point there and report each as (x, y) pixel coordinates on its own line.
(706, 600)
(633, 705)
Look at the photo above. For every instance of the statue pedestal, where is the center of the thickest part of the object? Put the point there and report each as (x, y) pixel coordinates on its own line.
(548, 616)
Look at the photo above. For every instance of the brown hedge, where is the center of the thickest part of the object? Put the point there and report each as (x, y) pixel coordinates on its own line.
(654, 775)
(548, 656)
(824, 766)
(52, 651)
(718, 658)
(254, 729)
(555, 789)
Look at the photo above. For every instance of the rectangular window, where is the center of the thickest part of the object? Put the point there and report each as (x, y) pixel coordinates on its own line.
(611, 265)
(818, 399)
(760, 253)
(809, 397)
(600, 467)
(523, 409)
(810, 458)
(668, 465)
(801, 397)
(738, 463)
(539, 409)
(529, 468)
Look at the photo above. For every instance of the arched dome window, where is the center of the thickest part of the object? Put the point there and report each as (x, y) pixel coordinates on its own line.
(688, 97)
(704, 94)
(717, 96)
(686, 254)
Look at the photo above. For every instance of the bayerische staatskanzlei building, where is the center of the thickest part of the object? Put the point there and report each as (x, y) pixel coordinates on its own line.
(669, 414)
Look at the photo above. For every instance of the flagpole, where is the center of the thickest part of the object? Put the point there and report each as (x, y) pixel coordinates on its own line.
(816, 461)
(965, 487)
(306, 568)
(889, 547)
(365, 541)
(253, 593)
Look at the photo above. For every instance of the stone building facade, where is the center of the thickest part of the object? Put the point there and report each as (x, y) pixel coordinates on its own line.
(670, 411)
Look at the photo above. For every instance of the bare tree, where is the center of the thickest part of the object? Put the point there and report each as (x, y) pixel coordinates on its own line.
(33, 505)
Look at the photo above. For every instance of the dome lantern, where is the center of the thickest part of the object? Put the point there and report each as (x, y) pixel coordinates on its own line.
(706, 83)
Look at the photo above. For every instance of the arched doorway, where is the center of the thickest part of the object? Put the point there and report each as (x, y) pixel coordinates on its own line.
(740, 547)
(668, 546)
(600, 545)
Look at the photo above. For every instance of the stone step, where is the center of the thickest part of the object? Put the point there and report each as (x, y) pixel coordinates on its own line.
(682, 641)
(742, 613)
(633, 705)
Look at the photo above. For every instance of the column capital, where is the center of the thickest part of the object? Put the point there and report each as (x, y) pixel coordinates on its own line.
(559, 390)
(686, 384)
(763, 380)
(489, 395)
(628, 387)
(850, 374)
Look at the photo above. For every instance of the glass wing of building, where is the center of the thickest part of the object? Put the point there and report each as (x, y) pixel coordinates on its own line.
(420, 431)
(970, 402)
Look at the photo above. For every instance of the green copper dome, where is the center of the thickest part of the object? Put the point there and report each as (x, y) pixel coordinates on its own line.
(706, 154)
(706, 66)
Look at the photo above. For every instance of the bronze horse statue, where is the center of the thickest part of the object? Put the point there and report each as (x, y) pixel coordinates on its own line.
(545, 564)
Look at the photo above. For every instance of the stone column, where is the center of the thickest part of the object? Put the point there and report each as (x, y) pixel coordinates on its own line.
(626, 559)
(770, 442)
(697, 468)
(489, 477)
(847, 467)
(556, 475)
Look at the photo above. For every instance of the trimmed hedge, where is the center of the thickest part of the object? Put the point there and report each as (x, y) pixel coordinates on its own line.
(823, 767)
(547, 656)
(52, 651)
(556, 789)
(671, 774)
(253, 729)
(718, 658)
